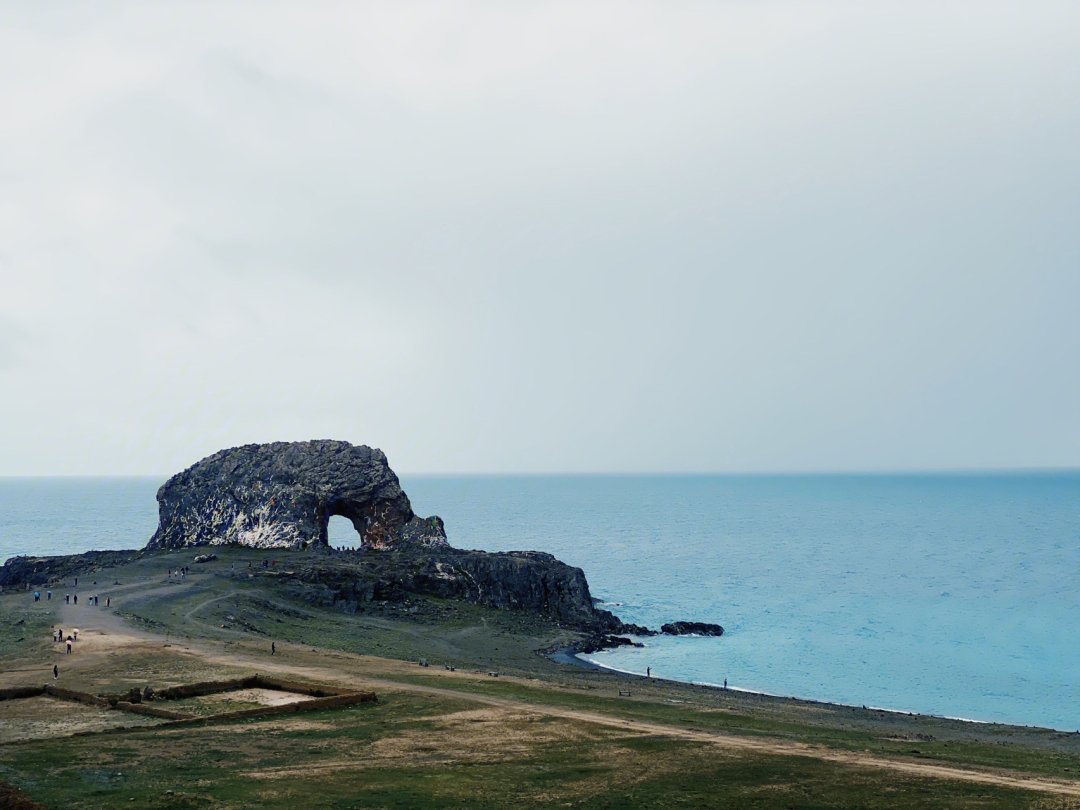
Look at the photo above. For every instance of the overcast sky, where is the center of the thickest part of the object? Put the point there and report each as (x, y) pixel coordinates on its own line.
(541, 237)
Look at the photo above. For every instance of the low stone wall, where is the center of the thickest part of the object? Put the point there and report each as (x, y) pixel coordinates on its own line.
(322, 697)
(150, 711)
(78, 697)
(313, 690)
(19, 692)
(289, 708)
(206, 688)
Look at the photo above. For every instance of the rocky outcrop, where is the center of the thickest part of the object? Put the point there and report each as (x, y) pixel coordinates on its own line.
(530, 581)
(282, 495)
(24, 570)
(691, 629)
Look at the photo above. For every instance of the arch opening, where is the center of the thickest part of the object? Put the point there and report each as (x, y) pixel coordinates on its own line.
(341, 533)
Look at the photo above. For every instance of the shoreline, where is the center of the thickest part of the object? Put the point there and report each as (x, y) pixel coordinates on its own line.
(568, 656)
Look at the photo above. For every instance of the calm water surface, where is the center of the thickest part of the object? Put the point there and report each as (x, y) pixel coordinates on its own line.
(942, 594)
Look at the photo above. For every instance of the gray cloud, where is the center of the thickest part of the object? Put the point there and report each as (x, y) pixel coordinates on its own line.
(762, 236)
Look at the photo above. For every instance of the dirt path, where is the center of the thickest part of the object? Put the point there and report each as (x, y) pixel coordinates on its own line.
(102, 631)
(754, 744)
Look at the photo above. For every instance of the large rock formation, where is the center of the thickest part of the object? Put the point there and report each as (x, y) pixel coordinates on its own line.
(530, 581)
(282, 495)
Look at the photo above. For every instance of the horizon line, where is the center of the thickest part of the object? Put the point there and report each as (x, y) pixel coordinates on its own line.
(973, 471)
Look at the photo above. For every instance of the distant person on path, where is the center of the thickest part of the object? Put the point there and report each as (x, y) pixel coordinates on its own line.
(69, 646)
(725, 683)
(76, 599)
(49, 596)
(67, 598)
(648, 672)
(37, 595)
(107, 600)
(75, 635)
(273, 648)
(76, 582)
(55, 672)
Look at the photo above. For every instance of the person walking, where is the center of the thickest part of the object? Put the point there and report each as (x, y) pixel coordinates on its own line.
(725, 683)
(48, 596)
(55, 672)
(69, 646)
(648, 672)
(107, 600)
(273, 648)
(67, 598)
(75, 599)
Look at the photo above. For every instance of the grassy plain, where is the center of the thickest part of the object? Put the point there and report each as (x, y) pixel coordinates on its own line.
(541, 734)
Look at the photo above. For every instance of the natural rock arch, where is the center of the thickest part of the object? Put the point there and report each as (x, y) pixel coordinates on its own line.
(282, 495)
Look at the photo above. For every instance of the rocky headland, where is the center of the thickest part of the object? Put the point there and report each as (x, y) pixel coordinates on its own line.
(282, 495)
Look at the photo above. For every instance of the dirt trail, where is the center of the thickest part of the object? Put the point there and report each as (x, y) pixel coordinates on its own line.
(102, 632)
(754, 744)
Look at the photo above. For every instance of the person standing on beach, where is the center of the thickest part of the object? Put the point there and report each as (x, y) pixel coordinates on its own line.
(725, 683)
(648, 672)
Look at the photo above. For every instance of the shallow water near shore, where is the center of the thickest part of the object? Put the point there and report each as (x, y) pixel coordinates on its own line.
(952, 595)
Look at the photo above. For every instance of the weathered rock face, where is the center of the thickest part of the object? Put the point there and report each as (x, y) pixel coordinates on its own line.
(282, 495)
(22, 571)
(531, 581)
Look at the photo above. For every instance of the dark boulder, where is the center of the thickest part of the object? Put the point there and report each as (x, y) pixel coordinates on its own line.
(596, 643)
(691, 629)
(282, 495)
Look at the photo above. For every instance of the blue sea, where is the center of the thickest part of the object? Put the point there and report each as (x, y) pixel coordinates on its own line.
(953, 595)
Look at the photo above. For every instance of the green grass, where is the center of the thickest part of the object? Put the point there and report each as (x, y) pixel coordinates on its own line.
(605, 768)
(413, 755)
(25, 625)
(1018, 757)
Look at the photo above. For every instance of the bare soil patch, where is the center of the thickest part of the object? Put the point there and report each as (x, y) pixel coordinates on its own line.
(234, 701)
(41, 718)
